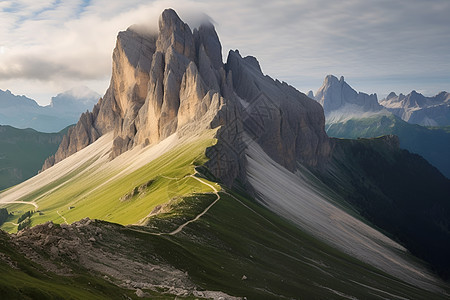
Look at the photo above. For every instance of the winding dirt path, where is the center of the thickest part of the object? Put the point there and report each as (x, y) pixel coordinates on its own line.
(15, 224)
(180, 228)
(62, 217)
(203, 212)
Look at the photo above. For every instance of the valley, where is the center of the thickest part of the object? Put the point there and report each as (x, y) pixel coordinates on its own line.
(23, 151)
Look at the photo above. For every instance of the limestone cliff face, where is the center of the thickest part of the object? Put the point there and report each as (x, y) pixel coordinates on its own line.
(161, 83)
(175, 81)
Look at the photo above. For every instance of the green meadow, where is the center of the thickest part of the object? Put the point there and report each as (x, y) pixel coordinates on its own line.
(115, 195)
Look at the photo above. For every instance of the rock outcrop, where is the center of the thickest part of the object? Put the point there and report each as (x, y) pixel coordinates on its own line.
(175, 81)
(335, 94)
(417, 109)
(92, 246)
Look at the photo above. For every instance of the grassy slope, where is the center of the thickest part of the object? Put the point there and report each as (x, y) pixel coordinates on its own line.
(431, 143)
(238, 237)
(79, 190)
(20, 278)
(30, 281)
(399, 192)
(235, 238)
(23, 151)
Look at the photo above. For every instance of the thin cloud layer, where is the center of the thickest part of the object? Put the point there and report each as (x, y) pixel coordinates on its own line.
(48, 46)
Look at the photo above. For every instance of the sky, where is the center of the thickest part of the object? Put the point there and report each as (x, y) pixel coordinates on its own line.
(379, 46)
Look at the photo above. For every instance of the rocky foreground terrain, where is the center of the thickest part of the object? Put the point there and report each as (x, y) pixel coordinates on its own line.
(118, 254)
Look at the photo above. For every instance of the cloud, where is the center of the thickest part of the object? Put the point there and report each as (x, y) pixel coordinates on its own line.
(64, 42)
(59, 43)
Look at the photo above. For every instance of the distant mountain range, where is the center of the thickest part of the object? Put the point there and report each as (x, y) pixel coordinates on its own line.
(64, 109)
(351, 114)
(417, 109)
(340, 101)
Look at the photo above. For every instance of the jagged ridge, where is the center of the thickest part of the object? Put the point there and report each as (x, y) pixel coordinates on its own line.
(335, 94)
(175, 82)
(417, 109)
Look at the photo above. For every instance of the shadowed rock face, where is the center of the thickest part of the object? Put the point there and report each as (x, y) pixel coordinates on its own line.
(174, 81)
(287, 124)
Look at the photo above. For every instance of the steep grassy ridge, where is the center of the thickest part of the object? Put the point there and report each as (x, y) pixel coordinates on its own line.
(116, 190)
(244, 249)
(237, 247)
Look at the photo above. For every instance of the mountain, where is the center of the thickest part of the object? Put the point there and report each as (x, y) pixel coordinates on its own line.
(23, 151)
(78, 100)
(64, 110)
(236, 237)
(383, 184)
(356, 117)
(10, 100)
(340, 100)
(415, 108)
(181, 86)
(206, 179)
(337, 97)
(431, 143)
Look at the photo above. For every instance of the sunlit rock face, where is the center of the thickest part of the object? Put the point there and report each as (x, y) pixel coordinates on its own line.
(175, 81)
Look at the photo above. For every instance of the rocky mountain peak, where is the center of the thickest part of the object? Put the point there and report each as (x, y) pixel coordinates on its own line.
(443, 96)
(169, 21)
(175, 82)
(391, 95)
(206, 37)
(416, 99)
(418, 109)
(175, 34)
(336, 94)
(330, 79)
(8, 99)
(252, 61)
